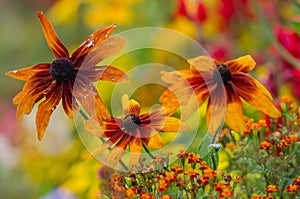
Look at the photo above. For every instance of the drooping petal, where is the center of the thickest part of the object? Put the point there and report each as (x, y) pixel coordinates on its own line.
(202, 64)
(93, 127)
(135, 147)
(102, 147)
(242, 64)
(106, 73)
(28, 72)
(31, 93)
(255, 95)
(103, 50)
(216, 109)
(87, 95)
(46, 108)
(53, 41)
(234, 111)
(90, 43)
(68, 101)
(154, 142)
(116, 153)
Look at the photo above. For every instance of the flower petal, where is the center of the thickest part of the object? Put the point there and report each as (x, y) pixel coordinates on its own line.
(255, 95)
(46, 108)
(216, 109)
(202, 64)
(106, 73)
(135, 150)
(169, 101)
(131, 106)
(234, 111)
(116, 153)
(103, 147)
(28, 72)
(90, 43)
(53, 41)
(92, 126)
(103, 50)
(31, 93)
(68, 101)
(154, 142)
(242, 64)
(173, 124)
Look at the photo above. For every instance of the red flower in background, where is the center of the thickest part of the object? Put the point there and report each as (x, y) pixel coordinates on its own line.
(195, 12)
(291, 41)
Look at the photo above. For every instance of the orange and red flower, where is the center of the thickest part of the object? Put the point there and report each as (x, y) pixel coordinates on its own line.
(53, 82)
(132, 130)
(224, 84)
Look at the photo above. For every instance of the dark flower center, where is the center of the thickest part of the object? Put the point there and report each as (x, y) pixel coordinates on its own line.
(62, 69)
(223, 72)
(131, 121)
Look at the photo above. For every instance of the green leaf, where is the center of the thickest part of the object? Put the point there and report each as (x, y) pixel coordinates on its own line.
(296, 25)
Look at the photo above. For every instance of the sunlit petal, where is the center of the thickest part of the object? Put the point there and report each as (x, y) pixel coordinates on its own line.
(135, 147)
(254, 95)
(154, 142)
(53, 41)
(242, 64)
(202, 63)
(134, 107)
(234, 111)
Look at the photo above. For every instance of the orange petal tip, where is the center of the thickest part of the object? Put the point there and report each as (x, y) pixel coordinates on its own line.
(39, 13)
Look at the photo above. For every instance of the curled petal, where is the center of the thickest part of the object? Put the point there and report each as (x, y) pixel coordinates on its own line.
(53, 41)
(243, 64)
(90, 43)
(103, 50)
(202, 64)
(26, 73)
(234, 111)
(46, 108)
(93, 127)
(131, 106)
(154, 142)
(255, 95)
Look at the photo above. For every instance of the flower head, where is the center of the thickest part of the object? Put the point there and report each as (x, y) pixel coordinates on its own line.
(131, 130)
(224, 84)
(53, 82)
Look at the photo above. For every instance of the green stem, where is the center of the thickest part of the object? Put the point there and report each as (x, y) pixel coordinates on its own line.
(147, 150)
(86, 117)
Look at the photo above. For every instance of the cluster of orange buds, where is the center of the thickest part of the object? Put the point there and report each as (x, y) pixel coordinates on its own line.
(294, 187)
(286, 141)
(144, 195)
(223, 189)
(194, 158)
(251, 125)
(271, 188)
(116, 186)
(286, 100)
(177, 169)
(256, 196)
(265, 145)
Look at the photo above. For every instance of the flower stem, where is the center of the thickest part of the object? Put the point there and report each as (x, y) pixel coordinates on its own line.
(86, 117)
(147, 150)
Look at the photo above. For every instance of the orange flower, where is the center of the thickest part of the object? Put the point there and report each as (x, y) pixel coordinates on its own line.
(54, 81)
(224, 84)
(131, 192)
(132, 130)
(265, 145)
(292, 188)
(272, 188)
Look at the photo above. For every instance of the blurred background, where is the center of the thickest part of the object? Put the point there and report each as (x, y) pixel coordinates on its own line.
(266, 29)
